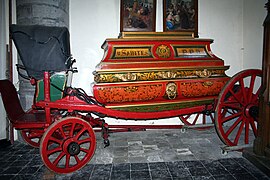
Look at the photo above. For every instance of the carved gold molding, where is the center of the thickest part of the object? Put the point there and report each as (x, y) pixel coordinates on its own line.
(157, 75)
(127, 77)
(204, 73)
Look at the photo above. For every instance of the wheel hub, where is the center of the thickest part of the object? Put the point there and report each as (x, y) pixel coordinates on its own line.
(254, 111)
(73, 148)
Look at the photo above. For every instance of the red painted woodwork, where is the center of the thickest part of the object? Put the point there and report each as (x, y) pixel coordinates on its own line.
(136, 74)
(19, 118)
(113, 62)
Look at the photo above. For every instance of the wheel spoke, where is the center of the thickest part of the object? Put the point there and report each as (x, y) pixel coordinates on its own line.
(84, 150)
(256, 95)
(230, 130)
(232, 106)
(228, 118)
(60, 156)
(67, 160)
(239, 133)
(55, 140)
(246, 131)
(251, 87)
(185, 117)
(62, 132)
(196, 119)
(188, 116)
(204, 119)
(253, 126)
(229, 111)
(87, 140)
(77, 159)
(72, 129)
(49, 152)
(224, 111)
(236, 98)
(212, 117)
(80, 133)
(242, 85)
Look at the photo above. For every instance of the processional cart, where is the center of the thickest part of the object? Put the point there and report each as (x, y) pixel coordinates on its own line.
(142, 76)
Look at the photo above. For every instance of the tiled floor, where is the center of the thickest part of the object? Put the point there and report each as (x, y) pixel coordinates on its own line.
(152, 154)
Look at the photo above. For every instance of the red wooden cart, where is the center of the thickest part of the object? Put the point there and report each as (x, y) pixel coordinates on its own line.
(154, 76)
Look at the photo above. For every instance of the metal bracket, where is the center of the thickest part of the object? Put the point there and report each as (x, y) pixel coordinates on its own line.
(227, 149)
(198, 126)
(105, 133)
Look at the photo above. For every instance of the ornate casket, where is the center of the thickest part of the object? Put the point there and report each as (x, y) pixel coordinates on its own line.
(158, 71)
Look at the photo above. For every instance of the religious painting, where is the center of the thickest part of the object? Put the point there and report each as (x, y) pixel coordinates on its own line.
(180, 16)
(138, 16)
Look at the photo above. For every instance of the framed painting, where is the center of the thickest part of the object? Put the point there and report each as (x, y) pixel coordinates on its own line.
(180, 16)
(138, 16)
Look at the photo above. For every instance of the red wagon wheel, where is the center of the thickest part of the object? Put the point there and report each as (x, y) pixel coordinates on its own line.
(237, 108)
(68, 145)
(200, 118)
(32, 137)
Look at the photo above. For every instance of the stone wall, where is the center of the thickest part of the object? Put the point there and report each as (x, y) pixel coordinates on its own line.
(39, 12)
(49, 12)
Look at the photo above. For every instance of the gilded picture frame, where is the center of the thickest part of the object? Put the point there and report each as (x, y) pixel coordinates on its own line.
(138, 16)
(180, 16)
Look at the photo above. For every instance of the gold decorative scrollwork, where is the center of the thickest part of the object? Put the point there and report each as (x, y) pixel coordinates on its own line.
(163, 51)
(207, 83)
(127, 77)
(167, 74)
(204, 74)
(129, 93)
(131, 89)
(171, 90)
(197, 89)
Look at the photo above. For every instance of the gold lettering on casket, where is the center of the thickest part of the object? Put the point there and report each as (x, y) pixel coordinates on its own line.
(191, 51)
(131, 53)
